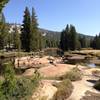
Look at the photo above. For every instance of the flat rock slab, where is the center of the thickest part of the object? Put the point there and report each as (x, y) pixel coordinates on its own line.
(45, 91)
(27, 62)
(55, 70)
(80, 87)
(76, 58)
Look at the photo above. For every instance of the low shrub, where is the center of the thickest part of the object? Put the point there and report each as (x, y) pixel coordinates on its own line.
(65, 89)
(73, 75)
(97, 85)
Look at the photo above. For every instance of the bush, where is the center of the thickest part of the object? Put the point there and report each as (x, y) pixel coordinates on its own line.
(2, 97)
(65, 89)
(97, 85)
(73, 75)
(17, 89)
(9, 83)
(24, 88)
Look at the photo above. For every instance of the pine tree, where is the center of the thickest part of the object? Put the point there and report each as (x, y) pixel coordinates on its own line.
(2, 4)
(83, 41)
(3, 33)
(16, 37)
(10, 40)
(67, 38)
(30, 35)
(2, 24)
(62, 40)
(34, 34)
(95, 43)
(73, 38)
(25, 35)
(41, 42)
(78, 46)
(97, 40)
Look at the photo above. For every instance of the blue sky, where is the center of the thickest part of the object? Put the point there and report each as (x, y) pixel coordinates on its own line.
(56, 14)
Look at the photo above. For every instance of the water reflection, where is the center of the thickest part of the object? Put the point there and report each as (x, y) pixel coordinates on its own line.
(91, 65)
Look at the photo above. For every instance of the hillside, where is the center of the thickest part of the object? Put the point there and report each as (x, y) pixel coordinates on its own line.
(55, 34)
(48, 33)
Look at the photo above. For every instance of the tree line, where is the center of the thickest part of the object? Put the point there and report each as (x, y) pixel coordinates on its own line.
(71, 40)
(31, 39)
(95, 43)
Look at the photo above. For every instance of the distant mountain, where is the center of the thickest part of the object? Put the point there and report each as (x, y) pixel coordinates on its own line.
(48, 33)
(87, 36)
(56, 35)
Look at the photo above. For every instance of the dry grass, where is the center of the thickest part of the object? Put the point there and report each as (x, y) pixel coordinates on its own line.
(73, 75)
(65, 89)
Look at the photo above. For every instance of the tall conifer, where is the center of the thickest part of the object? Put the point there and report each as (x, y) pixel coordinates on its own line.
(25, 35)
